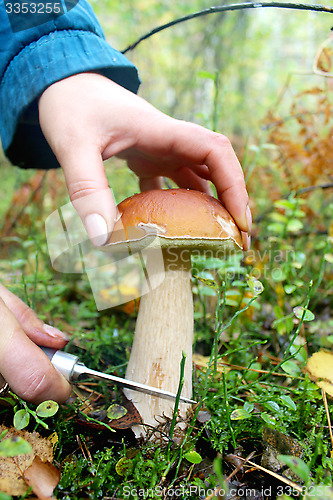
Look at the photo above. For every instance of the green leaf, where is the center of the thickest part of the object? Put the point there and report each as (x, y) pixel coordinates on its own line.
(255, 285)
(208, 282)
(285, 204)
(124, 466)
(276, 227)
(10, 401)
(278, 275)
(47, 409)
(116, 411)
(287, 401)
(277, 217)
(248, 407)
(297, 465)
(206, 74)
(208, 292)
(291, 368)
(289, 289)
(2, 435)
(252, 375)
(294, 225)
(4, 496)
(308, 315)
(233, 293)
(240, 414)
(14, 446)
(299, 352)
(21, 419)
(268, 418)
(300, 257)
(193, 456)
(283, 325)
(231, 303)
(271, 405)
(278, 312)
(329, 257)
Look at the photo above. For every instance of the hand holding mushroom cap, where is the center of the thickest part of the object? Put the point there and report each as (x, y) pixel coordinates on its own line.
(185, 221)
(87, 118)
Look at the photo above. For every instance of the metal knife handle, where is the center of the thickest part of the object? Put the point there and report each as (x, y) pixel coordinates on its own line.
(71, 368)
(64, 362)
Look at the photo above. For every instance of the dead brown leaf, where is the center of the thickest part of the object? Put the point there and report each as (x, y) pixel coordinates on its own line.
(42, 477)
(13, 468)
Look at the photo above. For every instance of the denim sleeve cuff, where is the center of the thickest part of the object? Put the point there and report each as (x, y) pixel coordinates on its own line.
(52, 58)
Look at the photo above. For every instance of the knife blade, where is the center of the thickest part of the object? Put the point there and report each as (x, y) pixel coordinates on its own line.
(72, 369)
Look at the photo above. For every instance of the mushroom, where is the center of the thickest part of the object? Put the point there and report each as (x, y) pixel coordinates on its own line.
(185, 222)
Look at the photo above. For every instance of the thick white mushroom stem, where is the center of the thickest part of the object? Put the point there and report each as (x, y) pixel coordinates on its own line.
(163, 330)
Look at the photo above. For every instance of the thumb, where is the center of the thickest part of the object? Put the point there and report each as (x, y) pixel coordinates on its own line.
(90, 193)
(24, 366)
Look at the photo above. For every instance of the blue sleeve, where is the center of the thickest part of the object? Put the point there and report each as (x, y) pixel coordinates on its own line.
(34, 58)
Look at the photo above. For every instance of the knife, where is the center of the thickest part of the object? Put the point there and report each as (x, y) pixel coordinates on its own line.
(71, 368)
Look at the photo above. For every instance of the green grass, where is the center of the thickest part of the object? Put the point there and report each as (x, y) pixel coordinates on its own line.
(258, 318)
(261, 397)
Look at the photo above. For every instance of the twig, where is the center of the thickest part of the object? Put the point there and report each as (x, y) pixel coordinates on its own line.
(312, 188)
(225, 8)
(274, 474)
(298, 192)
(240, 466)
(84, 449)
(328, 418)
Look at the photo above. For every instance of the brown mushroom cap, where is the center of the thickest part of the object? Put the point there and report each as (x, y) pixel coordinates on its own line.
(181, 218)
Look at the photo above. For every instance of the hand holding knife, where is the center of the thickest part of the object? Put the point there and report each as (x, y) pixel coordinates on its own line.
(71, 368)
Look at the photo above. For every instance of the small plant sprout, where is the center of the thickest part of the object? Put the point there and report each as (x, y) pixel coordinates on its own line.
(46, 409)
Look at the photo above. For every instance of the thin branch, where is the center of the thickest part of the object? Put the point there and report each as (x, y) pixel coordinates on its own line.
(225, 8)
(283, 479)
(299, 192)
(215, 493)
(328, 417)
(312, 188)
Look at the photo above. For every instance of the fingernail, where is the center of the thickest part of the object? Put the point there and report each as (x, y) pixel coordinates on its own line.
(248, 216)
(54, 332)
(97, 229)
(248, 241)
(246, 238)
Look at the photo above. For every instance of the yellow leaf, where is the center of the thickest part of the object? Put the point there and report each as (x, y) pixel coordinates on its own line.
(201, 362)
(320, 370)
(54, 438)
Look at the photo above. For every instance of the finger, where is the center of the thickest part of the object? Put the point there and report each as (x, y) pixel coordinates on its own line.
(25, 367)
(38, 331)
(67, 119)
(246, 239)
(228, 177)
(201, 170)
(148, 183)
(89, 192)
(202, 146)
(187, 179)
